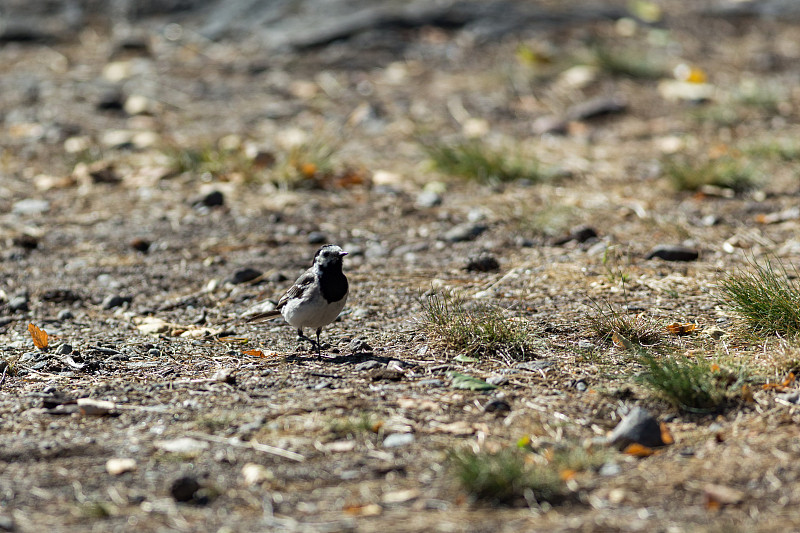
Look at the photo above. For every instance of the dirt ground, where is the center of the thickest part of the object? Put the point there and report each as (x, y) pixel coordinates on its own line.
(260, 433)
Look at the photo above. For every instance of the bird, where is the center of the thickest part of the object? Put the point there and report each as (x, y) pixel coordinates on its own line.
(316, 298)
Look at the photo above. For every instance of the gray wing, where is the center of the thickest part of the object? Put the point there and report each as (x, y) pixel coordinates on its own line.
(295, 291)
(298, 289)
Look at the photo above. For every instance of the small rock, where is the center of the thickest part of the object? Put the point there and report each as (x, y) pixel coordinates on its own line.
(673, 253)
(255, 474)
(427, 199)
(464, 232)
(114, 300)
(184, 488)
(225, 375)
(92, 407)
(181, 445)
(154, 352)
(497, 380)
(118, 466)
(141, 245)
(359, 346)
(316, 237)
(497, 405)
(638, 427)
(111, 100)
(387, 374)
(367, 365)
(579, 234)
(610, 469)
(722, 495)
(534, 366)
(7, 523)
(482, 263)
(212, 199)
(64, 349)
(398, 439)
(25, 241)
(277, 277)
(65, 314)
(18, 303)
(597, 107)
(243, 275)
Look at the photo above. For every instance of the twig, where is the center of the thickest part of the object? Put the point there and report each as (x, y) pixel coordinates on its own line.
(257, 446)
(2, 379)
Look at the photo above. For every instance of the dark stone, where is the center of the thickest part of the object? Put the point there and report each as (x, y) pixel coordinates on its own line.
(367, 365)
(673, 253)
(212, 199)
(141, 245)
(497, 406)
(359, 346)
(18, 303)
(243, 275)
(464, 232)
(184, 488)
(579, 234)
(114, 300)
(482, 263)
(638, 427)
(28, 242)
(60, 296)
(111, 100)
(387, 374)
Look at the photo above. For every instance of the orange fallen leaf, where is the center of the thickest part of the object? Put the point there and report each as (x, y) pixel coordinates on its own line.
(39, 336)
(715, 367)
(676, 328)
(747, 394)
(254, 353)
(666, 436)
(567, 474)
(370, 509)
(308, 169)
(638, 450)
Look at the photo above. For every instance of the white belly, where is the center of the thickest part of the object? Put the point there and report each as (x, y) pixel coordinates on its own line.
(312, 313)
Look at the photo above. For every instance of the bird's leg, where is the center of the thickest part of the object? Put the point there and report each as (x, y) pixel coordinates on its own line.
(302, 337)
(319, 346)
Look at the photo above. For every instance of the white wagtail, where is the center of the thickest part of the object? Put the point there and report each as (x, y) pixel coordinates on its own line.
(316, 298)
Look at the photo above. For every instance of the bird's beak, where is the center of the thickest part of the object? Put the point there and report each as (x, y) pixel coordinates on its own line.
(342, 254)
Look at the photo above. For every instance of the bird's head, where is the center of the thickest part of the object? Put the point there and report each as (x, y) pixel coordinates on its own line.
(329, 255)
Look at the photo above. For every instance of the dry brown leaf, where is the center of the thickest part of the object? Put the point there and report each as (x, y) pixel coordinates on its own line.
(666, 436)
(370, 509)
(39, 336)
(254, 353)
(676, 328)
(638, 450)
(567, 473)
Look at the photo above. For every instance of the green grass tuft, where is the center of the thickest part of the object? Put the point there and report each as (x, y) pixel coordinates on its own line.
(505, 477)
(768, 298)
(477, 330)
(639, 329)
(473, 160)
(692, 385)
(725, 172)
(210, 160)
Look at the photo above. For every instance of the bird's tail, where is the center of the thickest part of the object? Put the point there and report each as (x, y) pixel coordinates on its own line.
(260, 317)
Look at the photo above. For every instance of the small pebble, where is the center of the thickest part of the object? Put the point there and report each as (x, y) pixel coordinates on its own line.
(497, 406)
(426, 199)
(243, 275)
(482, 263)
(464, 232)
(497, 380)
(154, 352)
(64, 349)
(212, 199)
(673, 253)
(65, 314)
(114, 300)
(398, 439)
(140, 245)
(639, 427)
(184, 488)
(610, 469)
(18, 303)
